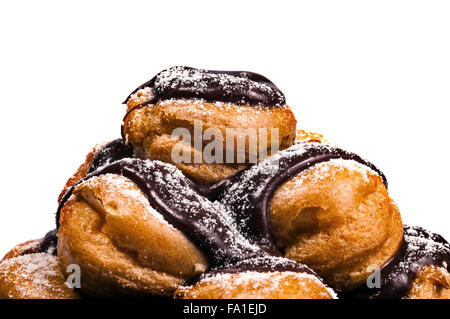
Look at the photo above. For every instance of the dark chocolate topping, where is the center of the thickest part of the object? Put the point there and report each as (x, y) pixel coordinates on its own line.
(170, 193)
(420, 248)
(49, 242)
(248, 194)
(239, 87)
(111, 152)
(214, 226)
(208, 224)
(234, 231)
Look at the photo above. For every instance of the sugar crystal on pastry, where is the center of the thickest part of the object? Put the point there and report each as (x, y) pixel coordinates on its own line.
(33, 276)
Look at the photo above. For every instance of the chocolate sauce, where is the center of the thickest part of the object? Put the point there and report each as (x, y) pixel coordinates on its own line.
(248, 194)
(48, 243)
(420, 248)
(246, 243)
(228, 246)
(238, 87)
(170, 193)
(111, 152)
(177, 198)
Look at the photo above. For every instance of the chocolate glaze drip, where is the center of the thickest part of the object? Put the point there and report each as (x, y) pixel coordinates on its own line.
(213, 191)
(49, 242)
(238, 87)
(420, 248)
(263, 264)
(315, 153)
(111, 152)
(248, 194)
(255, 250)
(173, 195)
(203, 222)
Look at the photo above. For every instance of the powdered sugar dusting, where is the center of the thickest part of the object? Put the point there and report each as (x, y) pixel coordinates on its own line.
(246, 193)
(265, 283)
(188, 199)
(200, 80)
(176, 192)
(421, 248)
(142, 95)
(322, 171)
(36, 269)
(202, 104)
(31, 246)
(118, 184)
(422, 242)
(265, 170)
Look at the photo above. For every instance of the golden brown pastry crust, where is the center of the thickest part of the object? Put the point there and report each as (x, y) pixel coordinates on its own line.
(121, 244)
(33, 276)
(339, 222)
(431, 282)
(255, 285)
(149, 127)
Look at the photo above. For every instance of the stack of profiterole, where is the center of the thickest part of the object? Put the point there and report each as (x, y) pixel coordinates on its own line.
(309, 221)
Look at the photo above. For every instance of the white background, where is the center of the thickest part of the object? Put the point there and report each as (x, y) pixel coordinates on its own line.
(372, 76)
